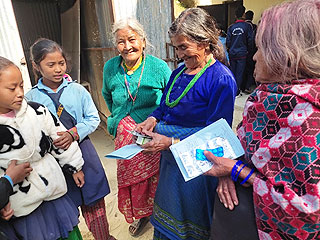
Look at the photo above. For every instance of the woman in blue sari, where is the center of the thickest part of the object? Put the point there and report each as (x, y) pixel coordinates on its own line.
(199, 92)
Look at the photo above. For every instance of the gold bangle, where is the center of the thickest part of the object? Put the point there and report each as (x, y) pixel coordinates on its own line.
(174, 140)
(153, 118)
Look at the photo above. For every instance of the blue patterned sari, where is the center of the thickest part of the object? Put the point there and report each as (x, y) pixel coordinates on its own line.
(182, 210)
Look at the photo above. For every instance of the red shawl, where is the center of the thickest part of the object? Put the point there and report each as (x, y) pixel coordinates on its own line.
(280, 132)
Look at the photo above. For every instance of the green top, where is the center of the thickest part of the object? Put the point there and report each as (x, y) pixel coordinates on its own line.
(155, 76)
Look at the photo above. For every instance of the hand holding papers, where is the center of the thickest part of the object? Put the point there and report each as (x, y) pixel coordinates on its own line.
(129, 151)
(218, 152)
(217, 138)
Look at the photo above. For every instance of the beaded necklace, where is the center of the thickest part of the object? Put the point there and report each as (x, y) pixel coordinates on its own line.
(189, 86)
(127, 84)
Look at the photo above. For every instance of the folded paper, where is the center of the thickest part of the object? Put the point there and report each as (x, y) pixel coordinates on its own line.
(126, 152)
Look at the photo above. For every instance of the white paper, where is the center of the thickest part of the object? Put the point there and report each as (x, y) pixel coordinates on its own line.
(126, 152)
(217, 134)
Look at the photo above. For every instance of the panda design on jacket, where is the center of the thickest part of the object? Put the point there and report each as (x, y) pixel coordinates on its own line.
(28, 137)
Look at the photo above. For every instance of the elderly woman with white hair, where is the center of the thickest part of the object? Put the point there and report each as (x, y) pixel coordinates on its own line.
(133, 83)
(280, 133)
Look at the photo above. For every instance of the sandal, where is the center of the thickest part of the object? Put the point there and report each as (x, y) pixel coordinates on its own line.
(136, 227)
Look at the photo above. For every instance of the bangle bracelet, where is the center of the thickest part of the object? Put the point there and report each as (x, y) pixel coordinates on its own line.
(247, 177)
(237, 176)
(74, 133)
(71, 135)
(174, 140)
(153, 118)
(235, 169)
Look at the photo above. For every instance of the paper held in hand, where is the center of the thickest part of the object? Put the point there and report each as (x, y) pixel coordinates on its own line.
(129, 151)
(126, 152)
(217, 138)
(141, 138)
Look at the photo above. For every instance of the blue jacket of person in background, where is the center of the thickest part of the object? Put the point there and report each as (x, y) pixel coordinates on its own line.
(240, 39)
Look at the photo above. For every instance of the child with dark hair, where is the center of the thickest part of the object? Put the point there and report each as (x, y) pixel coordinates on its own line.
(41, 210)
(73, 105)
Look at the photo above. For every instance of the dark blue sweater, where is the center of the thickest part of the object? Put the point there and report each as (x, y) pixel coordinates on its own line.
(5, 192)
(211, 98)
(240, 39)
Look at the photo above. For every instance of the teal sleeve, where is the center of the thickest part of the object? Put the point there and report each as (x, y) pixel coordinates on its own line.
(105, 91)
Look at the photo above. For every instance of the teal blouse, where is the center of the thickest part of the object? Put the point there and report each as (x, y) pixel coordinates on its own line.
(154, 79)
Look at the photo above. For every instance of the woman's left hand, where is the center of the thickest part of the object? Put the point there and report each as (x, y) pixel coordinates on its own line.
(64, 141)
(227, 192)
(146, 126)
(157, 144)
(221, 166)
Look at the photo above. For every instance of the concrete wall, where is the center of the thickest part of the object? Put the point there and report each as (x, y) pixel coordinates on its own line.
(259, 6)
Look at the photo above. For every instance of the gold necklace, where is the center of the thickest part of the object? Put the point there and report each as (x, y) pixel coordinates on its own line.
(129, 70)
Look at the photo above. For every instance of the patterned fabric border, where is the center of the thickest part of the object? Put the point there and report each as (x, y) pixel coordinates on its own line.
(182, 229)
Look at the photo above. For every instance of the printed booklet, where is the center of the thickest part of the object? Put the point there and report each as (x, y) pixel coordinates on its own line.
(217, 138)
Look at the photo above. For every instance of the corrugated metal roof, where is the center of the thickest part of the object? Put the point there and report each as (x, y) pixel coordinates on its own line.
(37, 19)
(155, 16)
(105, 20)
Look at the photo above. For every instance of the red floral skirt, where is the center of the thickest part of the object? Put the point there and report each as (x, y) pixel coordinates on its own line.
(137, 177)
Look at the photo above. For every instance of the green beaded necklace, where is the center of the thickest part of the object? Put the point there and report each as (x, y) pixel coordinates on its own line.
(186, 90)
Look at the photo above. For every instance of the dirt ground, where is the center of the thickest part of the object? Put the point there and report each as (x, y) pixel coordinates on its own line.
(117, 224)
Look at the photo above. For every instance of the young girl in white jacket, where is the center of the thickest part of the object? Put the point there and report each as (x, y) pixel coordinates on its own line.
(28, 131)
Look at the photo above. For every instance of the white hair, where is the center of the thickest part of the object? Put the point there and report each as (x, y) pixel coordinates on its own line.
(131, 23)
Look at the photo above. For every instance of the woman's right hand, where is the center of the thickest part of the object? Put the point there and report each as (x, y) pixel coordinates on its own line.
(158, 143)
(221, 166)
(227, 192)
(146, 126)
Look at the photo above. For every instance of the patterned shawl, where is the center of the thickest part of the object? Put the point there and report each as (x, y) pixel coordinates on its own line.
(280, 132)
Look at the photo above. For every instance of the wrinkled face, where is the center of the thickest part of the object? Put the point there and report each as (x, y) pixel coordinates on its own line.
(261, 72)
(53, 67)
(11, 89)
(191, 53)
(130, 45)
